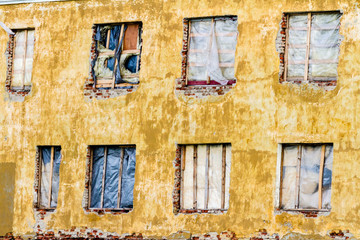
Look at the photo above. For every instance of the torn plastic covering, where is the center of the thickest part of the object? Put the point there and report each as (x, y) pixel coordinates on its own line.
(112, 177)
(128, 178)
(324, 45)
(18, 64)
(45, 177)
(204, 60)
(309, 177)
(103, 66)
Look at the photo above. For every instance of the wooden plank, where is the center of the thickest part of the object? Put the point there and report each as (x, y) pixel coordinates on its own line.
(187, 55)
(307, 49)
(40, 176)
(90, 176)
(24, 60)
(209, 49)
(223, 176)
(131, 37)
(51, 174)
(131, 51)
(314, 28)
(120, 176)
(281, 175)
(108, 38)
(286, 47)
(103, 178)
(207, 185)
(13, 55)
(298, 169)
(195, 177)
(321, 174)
(313, 61)
(116, 61)
(182, 164)
(116, 85)
(212, 82)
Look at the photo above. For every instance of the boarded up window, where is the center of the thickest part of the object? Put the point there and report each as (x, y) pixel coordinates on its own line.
(306, 176)
(211, 53)
(117, 61)
(23, 59)
(49, 177)
(112, 177)
(312, 47)
(205, 176)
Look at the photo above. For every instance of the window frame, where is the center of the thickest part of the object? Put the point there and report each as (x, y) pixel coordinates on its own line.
(118, 209)
(298, 167)
(103, 83)
(305, 79)
(194, 209)
(23, 88)
(186, 50)
(39, 177)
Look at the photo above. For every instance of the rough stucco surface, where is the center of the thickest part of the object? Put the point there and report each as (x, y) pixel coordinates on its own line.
(256, 115)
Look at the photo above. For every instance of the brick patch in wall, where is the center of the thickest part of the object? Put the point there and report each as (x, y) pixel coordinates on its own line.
(85, 201)
(197, 91)
(14, 94)
(90, 91)
(89, 233)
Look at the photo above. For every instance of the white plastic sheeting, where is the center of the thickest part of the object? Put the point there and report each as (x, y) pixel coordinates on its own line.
(324, 46)
(45, 177)
(111, 184)
(306, 195)
(20, 72)
(211, 45)
(208, 176)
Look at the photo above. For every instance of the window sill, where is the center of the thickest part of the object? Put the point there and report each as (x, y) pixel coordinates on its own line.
(212, 83)
(114, 211)
(209, 211)
(306, 212)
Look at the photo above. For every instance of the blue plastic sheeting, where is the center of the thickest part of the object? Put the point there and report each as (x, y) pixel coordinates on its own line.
(96, 181)
(128, 178)
(131, 63)
(112, 177)
(45, 176)
(56, 177)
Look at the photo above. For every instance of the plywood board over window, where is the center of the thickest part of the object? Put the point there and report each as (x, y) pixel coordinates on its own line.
(22, 65)
(312, 47)
(205, 177)
(306, 176)
(118, 51)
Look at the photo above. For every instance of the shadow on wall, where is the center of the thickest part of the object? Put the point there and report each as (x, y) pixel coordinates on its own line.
(7, 188)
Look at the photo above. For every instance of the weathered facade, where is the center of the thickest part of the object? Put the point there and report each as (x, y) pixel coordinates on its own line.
(255, 115)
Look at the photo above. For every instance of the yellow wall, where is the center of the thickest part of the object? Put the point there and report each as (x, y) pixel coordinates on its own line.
(255, 116)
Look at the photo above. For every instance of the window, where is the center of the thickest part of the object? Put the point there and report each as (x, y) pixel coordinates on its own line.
(22, 56)
(312, 47)
(48, 181)
(211, 51)
(117, 61)
(306, 176)
(112, 177)
(205, 177)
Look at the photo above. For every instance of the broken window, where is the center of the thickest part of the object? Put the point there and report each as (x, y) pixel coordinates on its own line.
(50, 158)
(306, 176)
(117, 61)
(312, 47)
(23, 51)
(112, 177)
(211, 51)
(205, 176)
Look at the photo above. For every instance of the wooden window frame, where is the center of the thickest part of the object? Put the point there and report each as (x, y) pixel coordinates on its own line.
(103, 178)
(110, 82)
(298, 167)
(182, 148)
(22, 87)
(305, 78)
(52, 157)
(186, 51)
